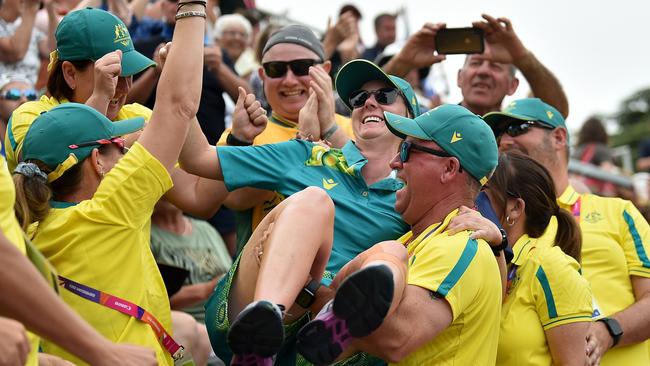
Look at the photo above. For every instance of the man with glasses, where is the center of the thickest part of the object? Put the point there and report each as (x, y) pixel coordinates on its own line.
(449, 309)
(14, 91)
(615, 236)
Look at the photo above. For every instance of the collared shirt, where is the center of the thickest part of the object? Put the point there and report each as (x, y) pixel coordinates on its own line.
(278, 129)
(103, 243)
(24, 116)
(364, 214)
(615, 246)
(465, 273)
(545, 290)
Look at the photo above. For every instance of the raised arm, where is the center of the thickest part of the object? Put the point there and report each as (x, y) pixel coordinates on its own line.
(506, 47)
(179, 89)
(14, 48)
(418, 52)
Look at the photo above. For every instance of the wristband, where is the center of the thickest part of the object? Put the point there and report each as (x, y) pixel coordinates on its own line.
(307, 295)
(189, 14)
(504, 244)
(234, 141)
(329, 132)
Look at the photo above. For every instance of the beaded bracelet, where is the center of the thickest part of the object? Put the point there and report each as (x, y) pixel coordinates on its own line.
(188, 14)
(197, 2)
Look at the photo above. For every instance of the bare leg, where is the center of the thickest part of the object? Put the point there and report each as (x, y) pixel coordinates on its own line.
(289, 246)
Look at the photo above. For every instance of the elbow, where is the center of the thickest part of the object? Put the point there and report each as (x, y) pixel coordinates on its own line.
(185, 106)
(394, 349)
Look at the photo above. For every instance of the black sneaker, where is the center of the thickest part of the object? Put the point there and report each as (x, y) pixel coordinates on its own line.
(359, 307)
(256, 335)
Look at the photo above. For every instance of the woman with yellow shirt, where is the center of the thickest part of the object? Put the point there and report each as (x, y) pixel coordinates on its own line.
(91, 200)
(547, 308)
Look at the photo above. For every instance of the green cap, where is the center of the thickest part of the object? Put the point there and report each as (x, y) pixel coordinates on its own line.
(456, 130)
(50, 137)
(355, 73)
(528, 109)
(90, 33)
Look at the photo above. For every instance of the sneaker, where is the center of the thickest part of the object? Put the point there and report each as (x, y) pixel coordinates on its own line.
(256, 335)
(359, 307)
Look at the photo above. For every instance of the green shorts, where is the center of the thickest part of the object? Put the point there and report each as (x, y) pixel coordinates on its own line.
(216, 321)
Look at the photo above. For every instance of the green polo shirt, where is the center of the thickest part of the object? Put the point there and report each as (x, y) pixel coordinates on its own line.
(365, 215)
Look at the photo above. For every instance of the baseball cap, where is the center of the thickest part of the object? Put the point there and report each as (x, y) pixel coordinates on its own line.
(456, 130)
(90, 33)
(355, 73)
(52, 134)
(296, 34)
(528, 109)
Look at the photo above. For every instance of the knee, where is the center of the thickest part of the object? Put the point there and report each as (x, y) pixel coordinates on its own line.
(184, 329)
(395, 249)
(314, 199)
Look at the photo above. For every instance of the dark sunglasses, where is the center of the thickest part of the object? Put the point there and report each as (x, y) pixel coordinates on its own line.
(406, 146)
(115, 140)
(15, 94)
(383, 96)
(519, 128)
(277, 69)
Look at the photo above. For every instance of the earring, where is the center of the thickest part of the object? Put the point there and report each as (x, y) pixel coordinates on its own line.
(510, 223)
(102, 173)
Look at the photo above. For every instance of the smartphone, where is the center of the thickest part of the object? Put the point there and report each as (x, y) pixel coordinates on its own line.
(451, 41)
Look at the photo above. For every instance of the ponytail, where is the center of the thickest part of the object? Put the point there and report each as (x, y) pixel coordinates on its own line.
(32, 194)
(568, 236)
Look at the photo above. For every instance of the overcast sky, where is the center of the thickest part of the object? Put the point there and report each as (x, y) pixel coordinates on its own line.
(600, 50)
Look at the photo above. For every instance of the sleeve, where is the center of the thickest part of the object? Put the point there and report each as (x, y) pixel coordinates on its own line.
(129, 192)
(444, 269)
(17, 127)
(136, 110)
(635, 240)
(224, 136)
(263, 166)
(561, 294)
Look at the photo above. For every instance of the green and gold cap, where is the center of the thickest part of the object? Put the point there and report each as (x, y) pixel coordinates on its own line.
(90, 33)
(53, 136)
(355, 73)
(528, 109)
(457, 131)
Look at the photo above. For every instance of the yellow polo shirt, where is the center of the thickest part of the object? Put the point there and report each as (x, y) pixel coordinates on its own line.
(615, 246)
(546, 291)
(103, 243)
(464, 272)
(12, 231)
(24, 116)
(278, 129)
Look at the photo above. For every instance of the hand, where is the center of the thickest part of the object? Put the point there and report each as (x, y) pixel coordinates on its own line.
(107, 70)
(249, 118)
(594, 352)
(502, 43)
(14, 347)
(468, 219)
(45, 359)
(598, 341)
(209, 286)
(321, 84)
(308, 122)
(213, 58)
(419, 49)
(160, 56)
(127, 355)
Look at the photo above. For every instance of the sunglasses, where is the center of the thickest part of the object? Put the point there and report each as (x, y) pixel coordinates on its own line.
(383, 96)
(406, 146)
(120, 142)
(519, 128)
(16, 94)
(277, 69)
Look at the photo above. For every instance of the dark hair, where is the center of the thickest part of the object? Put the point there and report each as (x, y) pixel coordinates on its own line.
(592, 131)
(33, 194)
(56, 84)
(519, 176)
(349, 7)
(382, 16)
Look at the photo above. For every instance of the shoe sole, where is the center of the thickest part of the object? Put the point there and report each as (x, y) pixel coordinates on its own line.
(360, 306)
(256, 331)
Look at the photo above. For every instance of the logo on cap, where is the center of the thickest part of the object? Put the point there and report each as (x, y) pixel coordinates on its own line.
(549, 114)
(122, 35)
(456, 137)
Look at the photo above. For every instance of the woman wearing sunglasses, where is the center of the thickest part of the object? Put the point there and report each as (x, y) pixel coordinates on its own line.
(89, 205)
(14, 91)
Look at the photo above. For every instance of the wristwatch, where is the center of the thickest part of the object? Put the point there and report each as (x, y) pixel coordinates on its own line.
(504, 244)
(614, 329)
(231, 140)
(307, 295)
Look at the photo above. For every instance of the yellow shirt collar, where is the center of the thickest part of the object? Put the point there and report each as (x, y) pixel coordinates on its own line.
(522, 248)
(433, 229)
(568, 197)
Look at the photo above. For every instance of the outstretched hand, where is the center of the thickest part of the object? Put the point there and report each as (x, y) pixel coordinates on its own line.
(502, 43)
(249, 118)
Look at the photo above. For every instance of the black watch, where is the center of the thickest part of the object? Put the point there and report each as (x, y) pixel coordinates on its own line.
(231, 140)
(307, 295)
(614, 329)
(504, 244)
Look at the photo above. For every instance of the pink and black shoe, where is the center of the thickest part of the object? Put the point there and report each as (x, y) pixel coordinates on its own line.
(359, 307)
(256, 334)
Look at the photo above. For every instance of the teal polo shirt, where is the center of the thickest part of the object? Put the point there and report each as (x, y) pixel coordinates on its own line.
(365, 215)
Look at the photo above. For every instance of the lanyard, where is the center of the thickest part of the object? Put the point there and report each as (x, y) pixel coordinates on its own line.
(128, 308)
(512, 273)
(575, 209)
